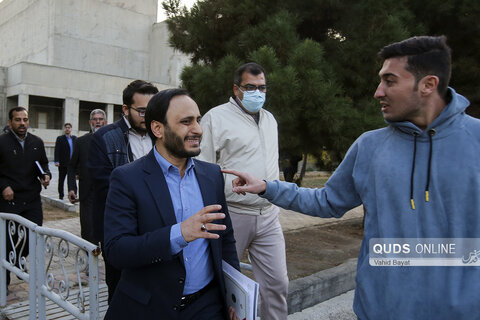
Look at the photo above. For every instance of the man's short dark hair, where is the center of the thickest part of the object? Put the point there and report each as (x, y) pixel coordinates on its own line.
(252, 68)
(137, 86)
(158, 106)
(425, 56)
(16, 109)
(67, 124)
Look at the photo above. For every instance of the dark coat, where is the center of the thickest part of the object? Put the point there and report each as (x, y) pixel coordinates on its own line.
(17, 166)
(109, 148)
(62, 150)
(78, 166)
(138, 217)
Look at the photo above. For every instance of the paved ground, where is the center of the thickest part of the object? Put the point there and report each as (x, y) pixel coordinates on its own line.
(337, 308)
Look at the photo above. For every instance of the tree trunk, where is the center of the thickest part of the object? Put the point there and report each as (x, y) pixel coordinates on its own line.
(302, 171)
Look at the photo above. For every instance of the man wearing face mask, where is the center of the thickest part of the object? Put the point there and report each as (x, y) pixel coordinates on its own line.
(241, 134)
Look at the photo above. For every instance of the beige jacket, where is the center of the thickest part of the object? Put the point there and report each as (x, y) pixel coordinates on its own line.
(233, 140)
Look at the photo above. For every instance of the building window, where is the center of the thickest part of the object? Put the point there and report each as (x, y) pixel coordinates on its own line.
(117, 112)
(84, 113)
(45, 113)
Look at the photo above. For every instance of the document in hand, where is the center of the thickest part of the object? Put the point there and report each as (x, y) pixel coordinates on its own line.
(42, 173)
(242, 292)
(40, 168)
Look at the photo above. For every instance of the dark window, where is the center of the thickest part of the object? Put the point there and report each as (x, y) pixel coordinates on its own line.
(45, 113)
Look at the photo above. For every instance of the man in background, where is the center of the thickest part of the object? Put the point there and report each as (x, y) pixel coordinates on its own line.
(115, 145)
(21, 179)
(242, 135)
(63, 154)
(78, 167)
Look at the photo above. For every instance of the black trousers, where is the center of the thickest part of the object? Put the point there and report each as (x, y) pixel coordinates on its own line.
(62, 173)
(209, 306)
(31, 211)
(86, 219)
(112, 276)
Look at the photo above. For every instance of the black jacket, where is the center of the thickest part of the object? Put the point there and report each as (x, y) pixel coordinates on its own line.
(62, 150)
(109, 148)
(17, 166)
(78, 166)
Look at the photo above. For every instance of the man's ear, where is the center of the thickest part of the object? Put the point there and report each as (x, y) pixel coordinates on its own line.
(236, 90)
(428, 85)
(157, 129)
(125, 110)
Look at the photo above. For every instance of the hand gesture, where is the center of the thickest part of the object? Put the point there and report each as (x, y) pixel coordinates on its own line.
(246, 182)
(198, 225)
(8, 194)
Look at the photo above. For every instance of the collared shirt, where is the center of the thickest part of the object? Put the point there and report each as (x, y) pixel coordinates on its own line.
(255, 116)
(21, 141)
(140, 145)
(70, 144)
(187, 200)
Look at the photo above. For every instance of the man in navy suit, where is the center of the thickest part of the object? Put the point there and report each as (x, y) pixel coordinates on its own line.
(63, 154)
(167, 224)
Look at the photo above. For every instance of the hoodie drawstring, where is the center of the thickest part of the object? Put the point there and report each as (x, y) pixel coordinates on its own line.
(431, 133)
(415, 135)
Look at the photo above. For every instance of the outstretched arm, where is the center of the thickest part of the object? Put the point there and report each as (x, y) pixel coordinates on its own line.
(245, 182)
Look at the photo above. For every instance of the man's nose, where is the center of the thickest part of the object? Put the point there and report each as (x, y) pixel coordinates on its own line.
(197, 128)
(379, 92)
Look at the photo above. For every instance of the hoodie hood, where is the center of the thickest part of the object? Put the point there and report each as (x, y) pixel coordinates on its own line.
(456, 105)
(439, 127)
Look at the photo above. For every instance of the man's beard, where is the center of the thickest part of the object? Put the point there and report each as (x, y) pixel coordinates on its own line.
(93, 128)
(139, 129)
(17, 131)
(175, 145)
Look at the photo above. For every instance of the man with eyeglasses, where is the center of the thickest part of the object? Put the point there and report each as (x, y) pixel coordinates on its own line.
(241, 134)
(112, 146)
(78, 167)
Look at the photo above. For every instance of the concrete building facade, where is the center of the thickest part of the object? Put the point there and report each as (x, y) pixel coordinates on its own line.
(63, 58)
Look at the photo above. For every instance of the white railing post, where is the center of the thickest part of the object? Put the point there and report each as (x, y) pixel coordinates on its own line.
(93, 281)
(41, 275)
(3, 259)
(32, 279)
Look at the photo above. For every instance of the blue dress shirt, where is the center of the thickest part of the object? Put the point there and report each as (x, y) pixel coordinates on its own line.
(187, 200)
(70, 143)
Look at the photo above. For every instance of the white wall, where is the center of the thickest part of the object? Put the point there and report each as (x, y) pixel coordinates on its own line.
(3, 98)
(109, 37)
(56, 82)
(24, 26)
(166, 63)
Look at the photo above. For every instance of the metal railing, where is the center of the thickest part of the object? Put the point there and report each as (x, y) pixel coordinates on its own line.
(57, 259)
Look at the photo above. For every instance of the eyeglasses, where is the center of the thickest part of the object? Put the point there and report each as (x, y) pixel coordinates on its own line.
(141, 111)
(252, 88)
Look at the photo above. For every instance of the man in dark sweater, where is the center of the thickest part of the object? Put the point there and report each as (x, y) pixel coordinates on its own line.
(20, 178)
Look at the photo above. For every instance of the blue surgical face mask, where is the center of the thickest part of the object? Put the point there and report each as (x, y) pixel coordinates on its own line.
(253, 101)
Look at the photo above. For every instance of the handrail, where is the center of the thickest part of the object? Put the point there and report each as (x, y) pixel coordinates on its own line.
(56, 244)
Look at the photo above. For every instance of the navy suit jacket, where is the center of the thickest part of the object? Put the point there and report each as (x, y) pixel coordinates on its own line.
(138, 217)
(62, 150)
